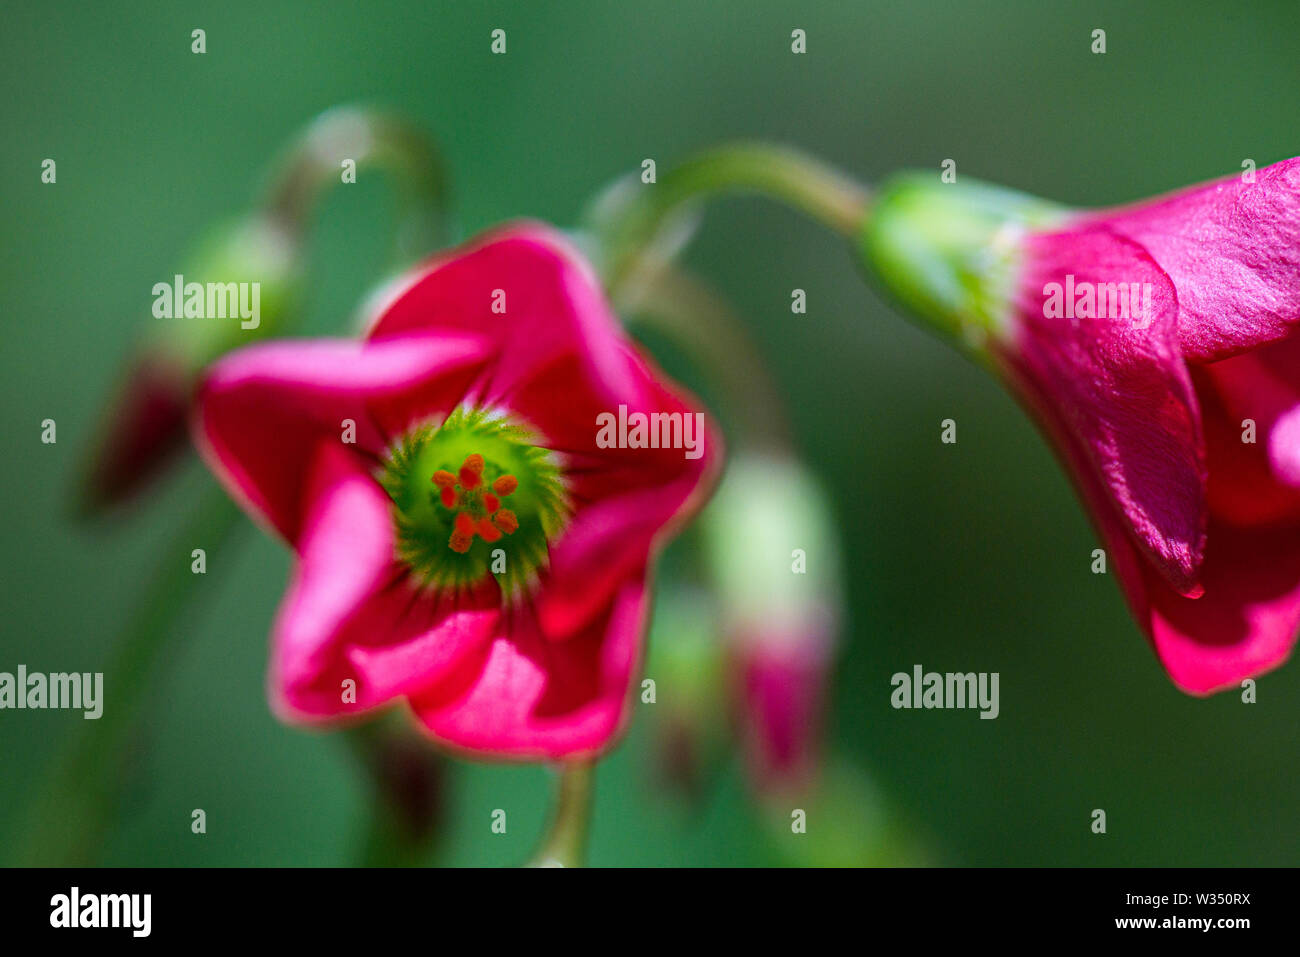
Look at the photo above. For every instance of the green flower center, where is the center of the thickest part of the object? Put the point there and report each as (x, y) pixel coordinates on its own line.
(472, 497)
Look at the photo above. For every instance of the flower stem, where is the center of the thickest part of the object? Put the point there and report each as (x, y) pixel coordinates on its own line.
(565, 843)
(700, 322)
(71, 811)
(630, 216)
(369, 139)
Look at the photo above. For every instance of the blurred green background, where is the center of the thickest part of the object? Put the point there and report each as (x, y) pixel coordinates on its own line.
(967, 557)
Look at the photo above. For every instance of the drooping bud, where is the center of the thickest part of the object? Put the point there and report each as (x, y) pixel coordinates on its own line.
(949, 252)
(240, 285)
(242, 279)
(779, 587)
(236, 288)
(142, 429)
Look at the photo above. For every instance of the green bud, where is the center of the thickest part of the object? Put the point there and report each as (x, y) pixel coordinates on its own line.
(949, 251)
(771, 546)
(256, 255)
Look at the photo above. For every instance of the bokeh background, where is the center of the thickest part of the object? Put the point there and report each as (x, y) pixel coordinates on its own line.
(967, 557)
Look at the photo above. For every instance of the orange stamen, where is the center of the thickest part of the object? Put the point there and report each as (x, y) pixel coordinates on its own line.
(461, 491)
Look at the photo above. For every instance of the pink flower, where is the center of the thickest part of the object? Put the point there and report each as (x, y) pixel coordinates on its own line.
(783, 678)
(468, 537)
(1156, 344)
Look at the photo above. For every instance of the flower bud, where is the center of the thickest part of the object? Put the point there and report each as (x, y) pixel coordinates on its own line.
(949, 251)
(779, 587)
(1144, 338)
(237, 287)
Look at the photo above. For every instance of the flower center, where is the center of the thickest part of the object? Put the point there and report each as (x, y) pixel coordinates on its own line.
(472, 497)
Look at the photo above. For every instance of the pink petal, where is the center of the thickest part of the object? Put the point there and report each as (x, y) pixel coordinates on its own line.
(628, 501)
(1253, 483)
(1119, 387)
(351, 613)
(1247, 619)
(568, 424)
(262, 410)
(1284, 446)
(1232, 249)
(531, 698)
(606, 542)
(554, 307)
(1282, 359)
(1246, 622)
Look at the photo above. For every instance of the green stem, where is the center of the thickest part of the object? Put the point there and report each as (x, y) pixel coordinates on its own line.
(372, 140)
(629, 218)
(705, 327)
(565, 842)
(71, 811)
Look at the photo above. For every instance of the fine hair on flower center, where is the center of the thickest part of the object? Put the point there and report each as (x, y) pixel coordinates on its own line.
(474, 495)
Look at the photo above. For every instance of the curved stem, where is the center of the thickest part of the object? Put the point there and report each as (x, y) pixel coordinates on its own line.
(629, 218)
(694, 317)
(372, 140)
(565, 842)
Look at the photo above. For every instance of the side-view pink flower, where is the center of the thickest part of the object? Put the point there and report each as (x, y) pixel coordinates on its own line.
(467, 538)
(1157, 345)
